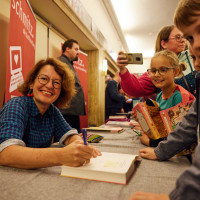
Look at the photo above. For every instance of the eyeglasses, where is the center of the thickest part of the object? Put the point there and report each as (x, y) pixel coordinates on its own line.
(44, 79)
(161, 70)
(178, 38)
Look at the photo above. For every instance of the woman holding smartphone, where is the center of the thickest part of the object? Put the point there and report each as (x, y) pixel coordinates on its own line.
(169, 38)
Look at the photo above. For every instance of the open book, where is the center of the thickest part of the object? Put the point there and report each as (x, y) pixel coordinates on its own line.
(157, 124)
(110, 167)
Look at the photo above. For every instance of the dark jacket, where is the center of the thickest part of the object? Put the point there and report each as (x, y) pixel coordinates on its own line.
(113, 99)
(77, 105)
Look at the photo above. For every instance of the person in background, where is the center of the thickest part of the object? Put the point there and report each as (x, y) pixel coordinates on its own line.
(29, 123)
(187, 19)
(70, 52)
(169, 38)
(127, 104)
(113, 99)
(164, 67)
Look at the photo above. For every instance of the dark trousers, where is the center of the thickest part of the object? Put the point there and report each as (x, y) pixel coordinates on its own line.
(73, 121)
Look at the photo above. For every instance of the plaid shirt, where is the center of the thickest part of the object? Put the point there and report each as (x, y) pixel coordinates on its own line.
(21, 123)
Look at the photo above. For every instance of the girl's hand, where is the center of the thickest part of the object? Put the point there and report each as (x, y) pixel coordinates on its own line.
(148, 196)
(144, 139)
(134, 115)
(148, 153)
(122, 62)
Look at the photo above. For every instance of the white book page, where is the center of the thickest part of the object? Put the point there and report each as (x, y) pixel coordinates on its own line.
(110, 162)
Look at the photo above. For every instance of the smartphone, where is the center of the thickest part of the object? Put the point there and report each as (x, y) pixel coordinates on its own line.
(134, 58)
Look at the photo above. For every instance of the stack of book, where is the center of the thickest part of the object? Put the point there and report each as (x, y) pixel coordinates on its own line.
(106, 129)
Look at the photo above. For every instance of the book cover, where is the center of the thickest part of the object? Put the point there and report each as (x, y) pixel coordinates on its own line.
(110, 167)
(146, 122)
(172, 116)
(157, 124)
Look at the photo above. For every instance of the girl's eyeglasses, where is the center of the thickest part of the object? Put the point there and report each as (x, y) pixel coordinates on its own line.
(161, 70)
(44, 79)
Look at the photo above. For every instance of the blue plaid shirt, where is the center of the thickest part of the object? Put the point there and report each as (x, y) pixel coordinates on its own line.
(21, 123)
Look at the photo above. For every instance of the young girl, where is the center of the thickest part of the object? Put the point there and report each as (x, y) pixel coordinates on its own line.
(187, 19)
(164, 68)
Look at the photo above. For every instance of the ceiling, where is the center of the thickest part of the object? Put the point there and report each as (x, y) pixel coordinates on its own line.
(141, 20)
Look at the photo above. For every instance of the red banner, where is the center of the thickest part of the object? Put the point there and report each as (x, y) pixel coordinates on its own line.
(21, 45)
(81, 70)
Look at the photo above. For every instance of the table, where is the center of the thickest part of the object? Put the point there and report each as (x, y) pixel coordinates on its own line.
(47, 184)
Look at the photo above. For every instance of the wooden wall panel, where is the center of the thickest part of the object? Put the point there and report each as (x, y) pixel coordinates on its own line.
(96, 88)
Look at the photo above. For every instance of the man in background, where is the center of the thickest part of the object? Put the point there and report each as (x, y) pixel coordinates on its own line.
(113, 99)
(70, 51)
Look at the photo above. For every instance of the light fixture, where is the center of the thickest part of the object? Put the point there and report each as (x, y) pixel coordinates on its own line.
(105, 67)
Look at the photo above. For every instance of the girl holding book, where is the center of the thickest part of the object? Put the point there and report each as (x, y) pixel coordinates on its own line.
(187, 19)
(164, 68)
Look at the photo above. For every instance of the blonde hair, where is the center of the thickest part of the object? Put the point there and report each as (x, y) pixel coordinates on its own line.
(173, 60)
(185, 10)
(67, 75)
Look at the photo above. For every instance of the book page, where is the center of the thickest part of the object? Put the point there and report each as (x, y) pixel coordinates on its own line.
(111, 162)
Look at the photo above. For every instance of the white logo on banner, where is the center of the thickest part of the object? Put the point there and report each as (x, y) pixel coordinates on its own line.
(15, 67)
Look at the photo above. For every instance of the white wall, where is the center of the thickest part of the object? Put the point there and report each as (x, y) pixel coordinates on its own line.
(55, 42)
(41, 41)
(100, 17)
(140, 68)
(97, 11)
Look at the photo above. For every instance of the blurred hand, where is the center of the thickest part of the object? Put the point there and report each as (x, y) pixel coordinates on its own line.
(134, 115)
(122, 62)
(148, 153)
(148, 196)
(144, 139)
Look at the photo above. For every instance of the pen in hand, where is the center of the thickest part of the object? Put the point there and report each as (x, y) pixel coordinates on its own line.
(137, 132)
(84, 132)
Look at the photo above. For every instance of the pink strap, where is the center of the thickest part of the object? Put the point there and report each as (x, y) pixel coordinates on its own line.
(186, 96)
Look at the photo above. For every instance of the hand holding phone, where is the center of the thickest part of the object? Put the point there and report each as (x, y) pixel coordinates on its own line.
(134, 58)
(122, 59)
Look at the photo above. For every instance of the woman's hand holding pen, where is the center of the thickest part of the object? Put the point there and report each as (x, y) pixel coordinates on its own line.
(76, 153)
